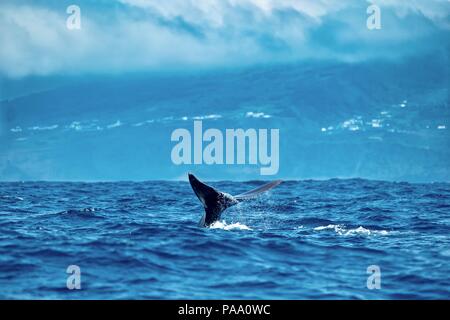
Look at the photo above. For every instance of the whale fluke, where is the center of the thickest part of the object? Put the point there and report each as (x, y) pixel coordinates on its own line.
(215, 202)
(256, 192)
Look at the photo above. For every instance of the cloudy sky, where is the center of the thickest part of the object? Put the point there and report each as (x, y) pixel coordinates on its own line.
(130, 35)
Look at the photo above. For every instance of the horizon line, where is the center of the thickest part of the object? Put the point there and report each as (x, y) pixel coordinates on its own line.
(224, 180)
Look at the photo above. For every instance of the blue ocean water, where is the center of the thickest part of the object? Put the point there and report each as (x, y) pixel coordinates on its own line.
(302, 240)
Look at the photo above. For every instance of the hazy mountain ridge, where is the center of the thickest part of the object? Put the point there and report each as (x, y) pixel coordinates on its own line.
(375, 120)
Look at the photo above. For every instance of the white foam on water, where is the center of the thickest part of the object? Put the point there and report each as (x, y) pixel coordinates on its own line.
(342, 231)
(225, 226)
(12, 197)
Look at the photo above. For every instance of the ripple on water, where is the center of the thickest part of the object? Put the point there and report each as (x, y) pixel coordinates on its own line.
(307, 239)
(232, 226)
(359, 231)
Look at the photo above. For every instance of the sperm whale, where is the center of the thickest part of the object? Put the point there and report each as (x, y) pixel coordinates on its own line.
(215, 202)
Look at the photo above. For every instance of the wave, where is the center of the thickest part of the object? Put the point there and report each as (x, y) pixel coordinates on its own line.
(330, 230)
(11, 198)
(342, 231)
(223, 225)
(80, 213)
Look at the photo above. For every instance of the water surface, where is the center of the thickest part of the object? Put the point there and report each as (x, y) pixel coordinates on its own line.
(302, 240)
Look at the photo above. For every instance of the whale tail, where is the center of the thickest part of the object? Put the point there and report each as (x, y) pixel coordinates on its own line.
(256, 192)
(215, 202)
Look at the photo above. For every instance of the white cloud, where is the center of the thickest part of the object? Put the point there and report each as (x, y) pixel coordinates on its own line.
(252, 114)
(44, 128)
(217, 13)
(16, 129)
(209, 116)
(116, 124)
(154, 34)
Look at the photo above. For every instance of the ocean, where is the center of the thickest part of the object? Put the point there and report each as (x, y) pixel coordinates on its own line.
(302, 240)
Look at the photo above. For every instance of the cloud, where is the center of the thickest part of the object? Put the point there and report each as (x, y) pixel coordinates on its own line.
(136, 35)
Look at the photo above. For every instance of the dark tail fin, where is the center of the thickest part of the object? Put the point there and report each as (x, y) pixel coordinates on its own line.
(213, 201)
(202, 191)
(256, 192)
